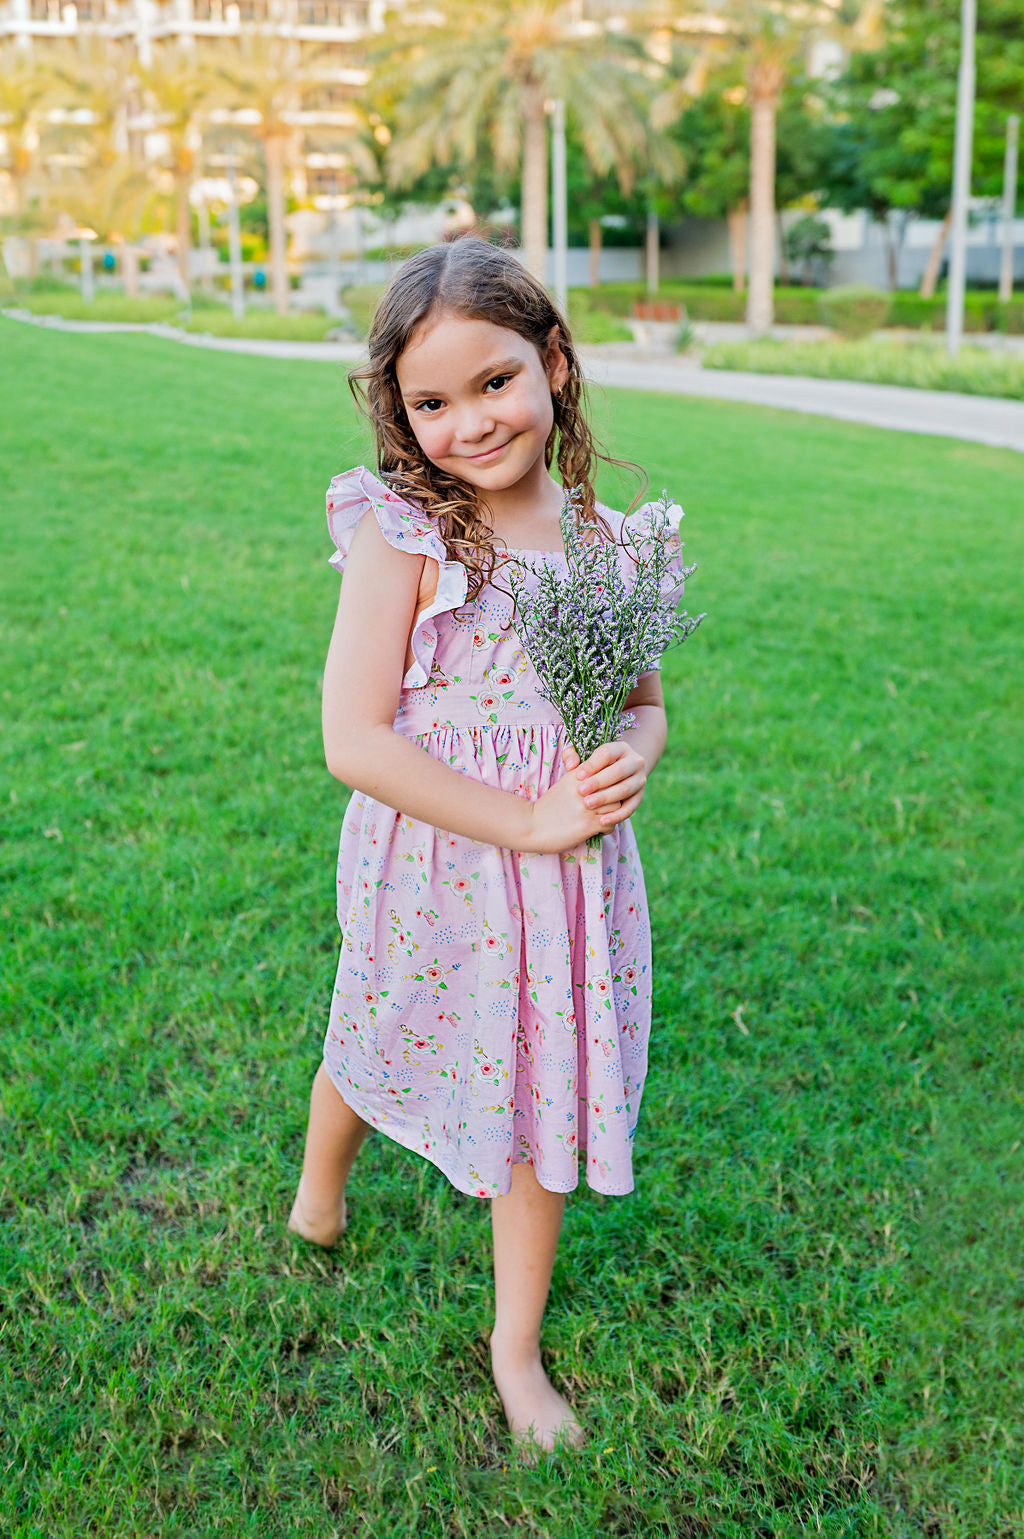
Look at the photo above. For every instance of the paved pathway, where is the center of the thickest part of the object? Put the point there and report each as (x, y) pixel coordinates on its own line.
(976, 418)
(979, 418)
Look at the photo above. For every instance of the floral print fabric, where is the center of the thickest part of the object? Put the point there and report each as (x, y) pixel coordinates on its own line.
(491, 1005)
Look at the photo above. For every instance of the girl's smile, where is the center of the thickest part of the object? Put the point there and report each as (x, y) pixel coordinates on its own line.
(488, 453)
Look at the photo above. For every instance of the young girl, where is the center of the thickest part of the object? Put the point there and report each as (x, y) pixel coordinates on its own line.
(493, 996)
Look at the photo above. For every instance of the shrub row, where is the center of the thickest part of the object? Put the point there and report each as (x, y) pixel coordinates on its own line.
(801, 306)
(920, 364)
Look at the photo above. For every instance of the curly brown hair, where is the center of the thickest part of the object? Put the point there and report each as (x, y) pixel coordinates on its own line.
(473, 278)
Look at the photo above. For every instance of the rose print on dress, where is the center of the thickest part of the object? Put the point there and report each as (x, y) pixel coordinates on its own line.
(487, 1070)
(418, 1048)
(461, 884)
(401, 937)
(494, 944)
(491, 703)
(627, 977)
(436, 973)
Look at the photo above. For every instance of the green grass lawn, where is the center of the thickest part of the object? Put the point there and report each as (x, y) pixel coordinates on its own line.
(805, 1320)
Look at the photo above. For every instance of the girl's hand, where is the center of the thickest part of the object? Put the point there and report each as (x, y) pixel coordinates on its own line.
(560, 820)
(611, 781)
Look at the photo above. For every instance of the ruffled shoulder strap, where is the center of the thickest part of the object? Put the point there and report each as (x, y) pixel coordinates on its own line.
(406, 527)
(639, 529)
(635, 531)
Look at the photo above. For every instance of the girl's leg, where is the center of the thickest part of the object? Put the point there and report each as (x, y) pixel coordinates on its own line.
(526, 1224)
(333, 1138)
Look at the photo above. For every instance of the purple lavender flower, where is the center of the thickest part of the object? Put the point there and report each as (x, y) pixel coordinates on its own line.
(591, 633)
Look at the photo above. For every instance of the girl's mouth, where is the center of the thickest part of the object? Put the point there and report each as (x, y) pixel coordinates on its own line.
(488, 454)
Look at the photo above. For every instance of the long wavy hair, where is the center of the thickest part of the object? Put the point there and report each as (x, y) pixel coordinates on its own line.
(471, 277)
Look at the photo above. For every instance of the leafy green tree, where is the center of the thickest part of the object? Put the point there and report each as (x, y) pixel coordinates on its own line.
(181, 93)
(769, 40)
(713, 135)
(895, 116)
(592, 199)
(809, 243)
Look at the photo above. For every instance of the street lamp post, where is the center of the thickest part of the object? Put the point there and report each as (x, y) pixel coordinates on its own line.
(333, 257)
(652, 240)
(85, 240)
(235, 247)
(559, 206)
(961, 179)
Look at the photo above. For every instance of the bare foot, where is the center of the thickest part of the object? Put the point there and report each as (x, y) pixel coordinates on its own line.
(318, 1225)
(537, 1414)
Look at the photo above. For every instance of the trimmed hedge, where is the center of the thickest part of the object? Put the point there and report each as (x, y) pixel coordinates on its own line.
(854, 310)
(591, 324)
(361, 300)
(797, 306)
(917, 364)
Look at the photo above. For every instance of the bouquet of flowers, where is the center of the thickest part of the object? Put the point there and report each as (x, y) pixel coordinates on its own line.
(590, 634)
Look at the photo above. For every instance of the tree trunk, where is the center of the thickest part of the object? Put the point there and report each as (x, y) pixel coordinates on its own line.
(18, 173)
(533, 218)
(765, 86)
(274, 147)
(894, 245)
(184, 231)
(930, 275)
(783, 258)
(205, 277)
(736, 218)
(594, 229)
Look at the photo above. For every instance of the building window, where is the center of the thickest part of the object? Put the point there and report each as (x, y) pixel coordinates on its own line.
(332, 13)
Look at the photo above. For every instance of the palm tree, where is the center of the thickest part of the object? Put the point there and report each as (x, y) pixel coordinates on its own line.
(95, 184)
(262, 78)
(768, 37)
(182, 92)
(24, 94)
(111, 198)
(488, 71)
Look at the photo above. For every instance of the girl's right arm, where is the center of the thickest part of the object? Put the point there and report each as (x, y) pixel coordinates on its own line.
(365, 665)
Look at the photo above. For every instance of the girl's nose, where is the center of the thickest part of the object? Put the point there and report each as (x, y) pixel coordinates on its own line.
(472, 428)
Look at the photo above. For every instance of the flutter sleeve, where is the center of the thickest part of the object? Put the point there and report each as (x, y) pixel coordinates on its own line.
(406, 527)
(638, 535)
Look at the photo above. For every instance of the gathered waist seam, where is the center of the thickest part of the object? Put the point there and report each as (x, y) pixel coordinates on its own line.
(411, 729)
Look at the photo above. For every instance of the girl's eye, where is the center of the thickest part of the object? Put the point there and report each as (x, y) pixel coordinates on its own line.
(432, 401)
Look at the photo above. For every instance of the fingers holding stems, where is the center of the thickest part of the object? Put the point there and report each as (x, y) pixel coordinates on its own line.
(611, 781)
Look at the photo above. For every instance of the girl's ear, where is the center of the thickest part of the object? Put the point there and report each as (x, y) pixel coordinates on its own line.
(557, 363)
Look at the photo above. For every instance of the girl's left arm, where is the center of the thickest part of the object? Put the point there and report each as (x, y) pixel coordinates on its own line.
(615, 774)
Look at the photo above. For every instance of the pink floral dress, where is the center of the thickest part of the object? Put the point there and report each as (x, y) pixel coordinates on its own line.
(491, 1005)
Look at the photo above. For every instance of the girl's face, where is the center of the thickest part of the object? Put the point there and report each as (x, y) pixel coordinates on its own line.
(478, 398)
